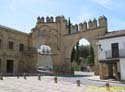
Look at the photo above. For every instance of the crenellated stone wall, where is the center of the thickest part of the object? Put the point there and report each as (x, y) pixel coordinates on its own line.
(54, 33)
(62, 42)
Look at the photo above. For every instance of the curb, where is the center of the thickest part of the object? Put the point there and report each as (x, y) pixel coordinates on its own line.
(119, 82)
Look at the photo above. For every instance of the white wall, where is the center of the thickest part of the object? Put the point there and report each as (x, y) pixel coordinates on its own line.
(106, 45)
(122, 68)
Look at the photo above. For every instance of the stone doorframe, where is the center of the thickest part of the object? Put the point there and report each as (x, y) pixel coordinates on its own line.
(109, 70)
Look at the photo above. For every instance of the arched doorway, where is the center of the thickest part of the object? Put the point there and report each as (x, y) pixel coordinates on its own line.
(73, 39)
(82, 56)
(44, 58)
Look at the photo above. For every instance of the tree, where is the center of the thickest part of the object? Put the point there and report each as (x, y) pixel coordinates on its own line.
(90, 58)
(69, 26)
(77, 55)
(73, 55)
(84, 51)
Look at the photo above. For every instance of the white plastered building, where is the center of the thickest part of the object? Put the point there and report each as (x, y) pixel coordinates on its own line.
(111, 55)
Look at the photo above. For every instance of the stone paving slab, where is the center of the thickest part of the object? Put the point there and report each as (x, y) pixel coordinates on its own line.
(46, 84)
(32, 84)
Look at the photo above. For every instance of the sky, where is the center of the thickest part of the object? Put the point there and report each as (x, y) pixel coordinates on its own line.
(22, 14)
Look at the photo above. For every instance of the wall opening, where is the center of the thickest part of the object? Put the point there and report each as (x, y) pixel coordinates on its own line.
(44, 58)
(10, 66)
(82, 56)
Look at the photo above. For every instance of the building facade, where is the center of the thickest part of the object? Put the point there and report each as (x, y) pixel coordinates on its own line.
(111, 55)
(14, 55)
(19, 51)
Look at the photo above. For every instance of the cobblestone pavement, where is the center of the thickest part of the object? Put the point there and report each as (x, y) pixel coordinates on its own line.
(46, 84)
(32, 84)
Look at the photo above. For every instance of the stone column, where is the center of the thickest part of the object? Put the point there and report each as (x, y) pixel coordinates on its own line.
(93, 43)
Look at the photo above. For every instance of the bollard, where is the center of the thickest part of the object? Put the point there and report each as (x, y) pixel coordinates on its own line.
(17, 76)
(55, 79)
(39, 77)
(78, 83)
(1, 76)
(107, 86)
(24, 75)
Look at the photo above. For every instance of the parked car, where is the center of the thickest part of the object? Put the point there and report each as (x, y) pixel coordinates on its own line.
(45, 69)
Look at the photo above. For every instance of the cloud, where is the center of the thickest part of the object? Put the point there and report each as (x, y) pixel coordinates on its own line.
(32, 8)
(84, 15)
(87, 14)
(109, 4)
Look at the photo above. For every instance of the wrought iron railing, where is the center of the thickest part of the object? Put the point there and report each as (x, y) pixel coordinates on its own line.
(109, 55)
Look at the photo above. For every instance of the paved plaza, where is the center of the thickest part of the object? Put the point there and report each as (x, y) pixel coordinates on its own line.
(46, 84)
(32, 84)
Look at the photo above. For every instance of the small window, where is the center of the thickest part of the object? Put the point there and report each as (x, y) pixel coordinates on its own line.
(21, 47)
(11, 44)
(115, 50)
(0, 43)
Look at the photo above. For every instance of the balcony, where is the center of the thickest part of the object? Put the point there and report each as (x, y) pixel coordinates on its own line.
(109, 55)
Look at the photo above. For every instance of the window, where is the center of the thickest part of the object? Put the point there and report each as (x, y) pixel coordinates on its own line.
(21, 47)
(115, 50)
(0, 43)
(11, 44)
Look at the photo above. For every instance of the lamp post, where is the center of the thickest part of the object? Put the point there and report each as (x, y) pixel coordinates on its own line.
(100, 46)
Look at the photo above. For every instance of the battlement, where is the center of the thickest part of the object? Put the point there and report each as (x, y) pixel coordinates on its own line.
(42, 20)
(74, 28)
(93, 24)
(85, 26)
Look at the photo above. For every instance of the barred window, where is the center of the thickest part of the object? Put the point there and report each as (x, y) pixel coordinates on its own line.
(11, 45)
(21, 47)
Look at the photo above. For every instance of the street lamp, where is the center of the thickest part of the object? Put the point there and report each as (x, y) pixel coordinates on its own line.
(100, 46)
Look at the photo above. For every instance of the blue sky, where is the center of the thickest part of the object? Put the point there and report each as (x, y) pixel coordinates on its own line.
(22, 14)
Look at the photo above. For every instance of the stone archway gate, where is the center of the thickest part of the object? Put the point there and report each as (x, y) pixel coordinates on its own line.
(55, 34)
